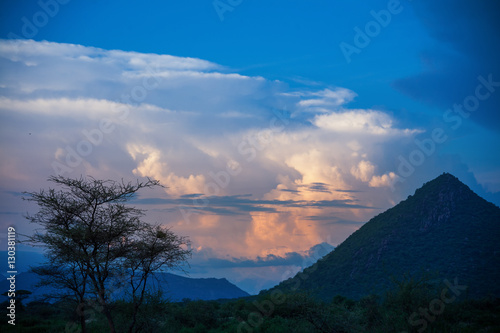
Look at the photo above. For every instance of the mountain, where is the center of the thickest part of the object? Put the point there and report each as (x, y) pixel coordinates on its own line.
(444, 229)
(174, 287)
(179, 287)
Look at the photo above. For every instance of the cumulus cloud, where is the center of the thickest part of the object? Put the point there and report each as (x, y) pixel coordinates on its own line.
(383, 181)
(363, 171)
(150, 164)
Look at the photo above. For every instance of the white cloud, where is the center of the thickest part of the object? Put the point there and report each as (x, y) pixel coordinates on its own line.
(24, 50)
(359, 121)
(63, 107)
(315, 101)
(363, 171)
(151, 164)
(386, 180)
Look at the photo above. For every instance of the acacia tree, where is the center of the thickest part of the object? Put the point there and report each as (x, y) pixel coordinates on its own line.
(94, 237)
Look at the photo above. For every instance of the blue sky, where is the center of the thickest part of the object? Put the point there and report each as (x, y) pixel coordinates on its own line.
(272, 134)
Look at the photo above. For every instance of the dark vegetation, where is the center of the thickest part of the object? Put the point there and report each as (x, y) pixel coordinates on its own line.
(409, 307)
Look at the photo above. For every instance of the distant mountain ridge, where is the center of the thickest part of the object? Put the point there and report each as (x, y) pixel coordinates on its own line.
(174, 287)
(444, 229)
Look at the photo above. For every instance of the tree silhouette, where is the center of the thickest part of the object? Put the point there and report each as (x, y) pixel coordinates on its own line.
(92, 239)
(21, 295)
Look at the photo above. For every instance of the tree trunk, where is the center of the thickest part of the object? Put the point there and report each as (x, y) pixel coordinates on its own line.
(83, 323)
(111, 324)
(80, 310)
(134, 318)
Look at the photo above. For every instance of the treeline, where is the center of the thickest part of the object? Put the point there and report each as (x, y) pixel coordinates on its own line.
(410, 307)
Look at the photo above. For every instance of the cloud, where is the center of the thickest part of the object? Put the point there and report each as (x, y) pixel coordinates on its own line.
(151, 165)
(266, 271)
(317, 100)
(468, 46)
(35, 53)
(252, 169)
(255, 172)
(58, 107)
(463, 47)
(363, 171)
(359, 121)
(242, 204)
(318, 187)
(302, 259)
(386, 180)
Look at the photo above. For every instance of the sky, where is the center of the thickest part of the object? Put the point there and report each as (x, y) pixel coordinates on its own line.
(278, 128)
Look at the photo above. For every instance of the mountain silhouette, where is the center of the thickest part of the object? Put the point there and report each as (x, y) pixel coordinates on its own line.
(174, 287)
(444, 230)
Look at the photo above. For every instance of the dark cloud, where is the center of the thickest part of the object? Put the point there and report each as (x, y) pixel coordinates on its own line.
(201, 261)
(190, 196)
(347, 203)
(320, 250)
(348, 222)
(319, 218)
(348, 191)
(469, 47)
(318, 187)
(242, 204)
(291, 191)
(331, 220)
